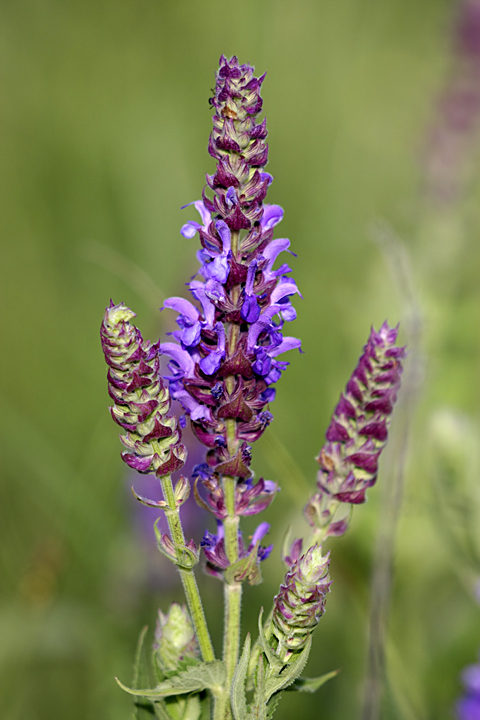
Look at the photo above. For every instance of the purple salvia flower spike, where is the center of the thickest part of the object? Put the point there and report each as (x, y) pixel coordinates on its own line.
(357, 433)
(240, 292)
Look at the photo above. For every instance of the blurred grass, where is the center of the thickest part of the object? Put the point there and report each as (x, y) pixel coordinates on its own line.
(104, 123)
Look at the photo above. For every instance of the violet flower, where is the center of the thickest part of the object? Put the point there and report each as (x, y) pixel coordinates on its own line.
(357, 433)
(214, 548)
(236, 331)
(468, 707)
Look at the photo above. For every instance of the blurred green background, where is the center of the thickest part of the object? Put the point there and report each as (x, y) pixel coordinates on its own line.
(104, 122)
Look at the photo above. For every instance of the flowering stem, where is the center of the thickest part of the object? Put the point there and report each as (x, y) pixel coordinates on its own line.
(188, 578)
(233, 590)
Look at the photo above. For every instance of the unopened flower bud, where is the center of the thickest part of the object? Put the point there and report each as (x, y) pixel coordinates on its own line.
(175, 642)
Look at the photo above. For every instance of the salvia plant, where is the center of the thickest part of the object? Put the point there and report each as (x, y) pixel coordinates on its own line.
(224, 362)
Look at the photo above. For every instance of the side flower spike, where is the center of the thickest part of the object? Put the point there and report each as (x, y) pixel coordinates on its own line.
(141, 399)
(357, 433)
(300, 602)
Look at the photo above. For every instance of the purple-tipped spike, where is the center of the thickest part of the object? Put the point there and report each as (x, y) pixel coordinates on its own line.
(358, 432)
(141, 399)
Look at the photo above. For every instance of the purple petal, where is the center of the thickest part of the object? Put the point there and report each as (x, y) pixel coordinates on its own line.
(251, 277)
(283, 289)
(182, 306)
(224, 232)
(210, 364)
(250, 311)
(218, 269)
(204, 213)
(468, 708)
(190, 336)
(288, 313)
(288, 343)
(180, 356)
(231, 197)
(471, 678)
(273, 250)
(272, 215)
(201, 412)
(214, 290)
(197, 289)
(200, 207)
(189, 229)
(268, 395)
(259, 533)
(262, 364)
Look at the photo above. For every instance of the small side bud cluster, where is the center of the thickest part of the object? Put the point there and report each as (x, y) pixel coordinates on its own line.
(141, 399)
(357, 432)
(175, 643)
(301, 601)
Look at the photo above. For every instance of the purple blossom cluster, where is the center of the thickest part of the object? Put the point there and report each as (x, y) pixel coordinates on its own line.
(357, 432)
(468, 707)
(224, 356)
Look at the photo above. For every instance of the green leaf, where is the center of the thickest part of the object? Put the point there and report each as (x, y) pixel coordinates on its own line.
(258, 708)
(273, 659)
(141, 675)
(143, 709)
(276, 681)
(160, 711)
(310, 685)
(239, 700)
(209, 675)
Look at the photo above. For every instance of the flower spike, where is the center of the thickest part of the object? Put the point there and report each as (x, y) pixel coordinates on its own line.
(141, 399)
(357, 433)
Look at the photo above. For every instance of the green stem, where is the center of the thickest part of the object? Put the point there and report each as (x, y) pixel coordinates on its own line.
(187, 575)
(233, 590)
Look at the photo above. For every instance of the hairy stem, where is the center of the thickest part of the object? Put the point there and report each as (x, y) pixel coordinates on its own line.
(187, 575)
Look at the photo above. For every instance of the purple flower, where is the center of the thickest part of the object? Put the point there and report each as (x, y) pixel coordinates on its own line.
(214, 548)
(224, 357)
(357, 432)
(468, 707)
(250, 498)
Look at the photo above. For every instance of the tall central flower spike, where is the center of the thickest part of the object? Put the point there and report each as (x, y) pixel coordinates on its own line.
(224, 361)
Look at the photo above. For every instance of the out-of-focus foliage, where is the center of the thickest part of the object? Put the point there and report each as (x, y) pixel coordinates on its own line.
(104, 123)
